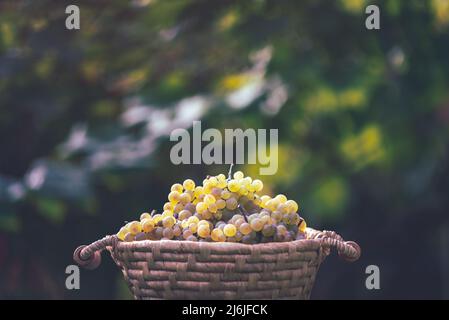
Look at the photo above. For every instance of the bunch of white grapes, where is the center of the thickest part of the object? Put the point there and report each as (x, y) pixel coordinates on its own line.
(221, 210)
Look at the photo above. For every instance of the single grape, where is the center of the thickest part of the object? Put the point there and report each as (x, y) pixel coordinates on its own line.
(198, 191)
(168, 206)
(122, 233)
(243, 191)
(185, 198)
(281, 198)
(264, 200)
(229, 230)
(246, 182)
(178, 207)
(177, 187)
(192, 238)
(203, 231)
(245, 228)
(193, 227)
(168, 233)
(238, 175)
(269, 230)
(140, 236)
(129, 237)
(213, 181)
(272, 204)
(147, 225)
(293, 206)
(225, 194)
(207, 188)
(209, 199)
(189, 184)
(257, 185)
(233, 185)
(159, 232)
(266, 220)
(256, 224)
(222, 184)
(186, 234)
(281, 229)
(135, 227)
(167, 213)
(216, 234)
(302, 226)
(231, 204)
(144, 215)
(221, 204)
(201, 207)
(177, 231)
(221, 177)
(238, 222)
(276, 215)
(216, 192)
(157, 218)
(253, 216)
(238, 236)
(191, 207)
(174, 197)
(207, 215)
(193, 219)
(184, 214)
(168, 222)
(213, 207)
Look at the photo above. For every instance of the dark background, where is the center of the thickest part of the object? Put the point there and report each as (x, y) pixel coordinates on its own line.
(362, 115)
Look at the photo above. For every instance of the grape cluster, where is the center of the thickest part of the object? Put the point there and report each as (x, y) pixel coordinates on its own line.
(221, 210)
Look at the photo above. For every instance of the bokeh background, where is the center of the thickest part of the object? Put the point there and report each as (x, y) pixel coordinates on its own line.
(363, 119)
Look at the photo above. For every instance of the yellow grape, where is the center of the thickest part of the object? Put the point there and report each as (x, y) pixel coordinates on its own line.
(189, 184)
(209, 199)
(207, 188)
(302, 226)
(221, 204)
(213, 181)
(135, 227)
(243, 191)
(245, 228)
(292, 205)
(213, 207)
(221, 177)
(216, 234)
(184, 214)
(122, 233)
(246, 182)
(203, 222)
(256, 224)
(222, 184)
(193, 227)
(185, 198)
(264, 200)
(167, 213)
(177, 187)
(157, 218)
(257, 185)
(233, 185)
(168, 206)
(231, 204)
(193, 219)
(198, 191)
(229, 230)
(203, 231)
(201, 207)
(225, 194)
(283, 208)
(238, 175)
(168, 222)
(178, 208)
(147, 225)
(174, 196)
(281, 198)
(206, 214)
(145, 215)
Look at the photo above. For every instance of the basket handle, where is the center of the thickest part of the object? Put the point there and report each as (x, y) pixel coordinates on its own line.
(89, 256)
(348, 250)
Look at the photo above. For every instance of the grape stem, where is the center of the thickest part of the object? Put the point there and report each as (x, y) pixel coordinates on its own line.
(230, 172)
(153, 212)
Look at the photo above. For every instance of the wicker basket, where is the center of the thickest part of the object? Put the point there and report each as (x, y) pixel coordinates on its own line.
(203, 270)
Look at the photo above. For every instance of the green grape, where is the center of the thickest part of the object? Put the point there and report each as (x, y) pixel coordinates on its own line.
(168, 222)
(203, 231)
(221, 204)
(245, 228)
(144, 215)
(134, 227)
(256, 224)
(129, 237)
(225, 194)
(147, 225)
(253, 216)
(272, 204)
(264, 200)
(266, 220)
(276, 215)
(189, 184)
(168, 206)
(283, 208)
(238, 175)
(185, 198)
(233, 185)
(229, 230)
(201, 207)
(177, 187)
(231, 204)
(174, 197)
(281, 229)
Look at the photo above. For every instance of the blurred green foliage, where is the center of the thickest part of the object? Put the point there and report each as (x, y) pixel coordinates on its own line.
(85, 117)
